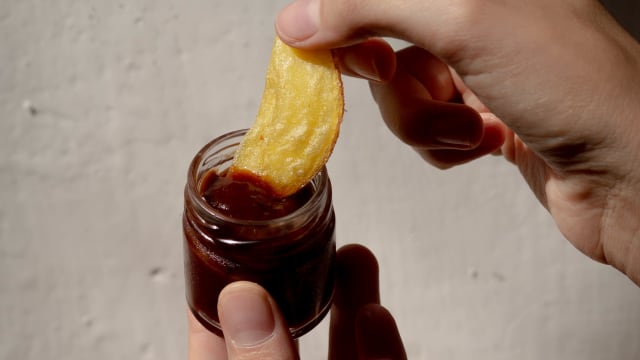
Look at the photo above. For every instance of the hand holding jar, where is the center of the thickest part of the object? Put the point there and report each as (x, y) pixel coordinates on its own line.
(262, 271)
(553, 86)
(254, 327)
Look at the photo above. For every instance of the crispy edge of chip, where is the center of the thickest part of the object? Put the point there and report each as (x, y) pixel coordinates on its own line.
(280, 190)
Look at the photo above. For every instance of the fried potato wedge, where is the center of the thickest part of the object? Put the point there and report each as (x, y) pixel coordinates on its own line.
(297, 123)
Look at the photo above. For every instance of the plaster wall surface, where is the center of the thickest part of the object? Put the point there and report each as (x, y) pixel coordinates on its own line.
(104, 103)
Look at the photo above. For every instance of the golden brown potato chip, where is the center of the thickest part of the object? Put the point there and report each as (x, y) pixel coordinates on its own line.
(298, 121)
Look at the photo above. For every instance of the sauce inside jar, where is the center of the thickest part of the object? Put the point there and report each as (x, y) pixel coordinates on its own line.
(287, 245)
(247, 199)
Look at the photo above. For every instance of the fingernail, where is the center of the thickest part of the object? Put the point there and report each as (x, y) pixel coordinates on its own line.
(299, 20)
(245, 315)
(455, 141)
(369, 70)
(456, 135)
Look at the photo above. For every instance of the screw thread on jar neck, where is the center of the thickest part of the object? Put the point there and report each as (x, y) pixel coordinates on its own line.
(217, 156)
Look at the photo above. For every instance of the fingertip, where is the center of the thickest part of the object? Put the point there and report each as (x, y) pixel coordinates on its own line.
(246, 314)
(436, 125)
(495, 132)
(373, 59)
(298, 21)
(494, 135)
(252, 324)
(456, 127)
(430, 71)
(310, 25)
(357, 256)
(357, 280)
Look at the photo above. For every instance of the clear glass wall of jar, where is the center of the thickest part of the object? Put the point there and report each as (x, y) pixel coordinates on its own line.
(292, 256)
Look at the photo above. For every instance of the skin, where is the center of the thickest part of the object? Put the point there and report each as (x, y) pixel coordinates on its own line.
(360, 327)
(552, 86)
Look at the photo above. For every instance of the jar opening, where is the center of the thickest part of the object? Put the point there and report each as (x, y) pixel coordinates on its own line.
(217, 156)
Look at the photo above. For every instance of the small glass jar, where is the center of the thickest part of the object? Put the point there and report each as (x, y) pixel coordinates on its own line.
(292, 257)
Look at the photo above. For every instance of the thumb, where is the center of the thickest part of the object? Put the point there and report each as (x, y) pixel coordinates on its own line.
(338, 23)
(252, 324)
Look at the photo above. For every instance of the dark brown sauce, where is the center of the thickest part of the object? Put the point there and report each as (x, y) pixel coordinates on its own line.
(296, 266)
(245, 198)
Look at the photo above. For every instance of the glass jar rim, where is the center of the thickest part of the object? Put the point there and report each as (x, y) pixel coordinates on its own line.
(320, 180)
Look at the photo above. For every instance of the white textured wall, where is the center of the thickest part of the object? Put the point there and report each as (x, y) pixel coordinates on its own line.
(103, 104)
